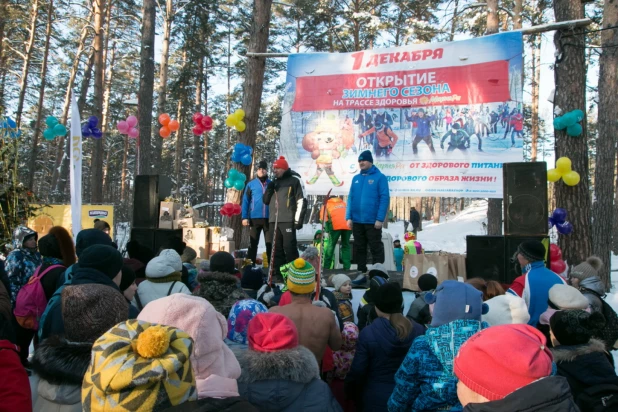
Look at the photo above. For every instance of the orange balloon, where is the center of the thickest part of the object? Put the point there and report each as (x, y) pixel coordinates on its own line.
(165, 132)
(164, 119)
(173, 125)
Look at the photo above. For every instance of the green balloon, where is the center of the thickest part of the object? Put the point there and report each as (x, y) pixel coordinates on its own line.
(229, 183)
(60, 130)
(233, 174)
(51, 121)
(239, 185)
(242, 177)
(49, 134)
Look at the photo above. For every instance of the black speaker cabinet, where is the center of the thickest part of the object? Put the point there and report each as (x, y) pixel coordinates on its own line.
(155, 238)
(485, 257)
(149, 190)
(525, 199)
(511, 269)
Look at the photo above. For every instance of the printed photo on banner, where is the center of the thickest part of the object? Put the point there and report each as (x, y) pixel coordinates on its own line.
(440, 119)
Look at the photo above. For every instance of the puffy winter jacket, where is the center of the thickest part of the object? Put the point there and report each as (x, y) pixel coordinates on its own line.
(291, 197)
(252, 205)
(423, 124)
(148, 291)
(379, 353)
(14, 386)
(425, 381)
(21, 263)
(369, 197)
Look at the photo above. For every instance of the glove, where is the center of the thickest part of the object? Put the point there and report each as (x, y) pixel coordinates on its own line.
(298, 225)
(378, 225)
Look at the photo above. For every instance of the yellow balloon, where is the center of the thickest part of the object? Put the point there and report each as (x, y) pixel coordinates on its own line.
(563, 165)
(241, 126)
(553, 175)
(571, 178)
(231, 121)
(240, 114)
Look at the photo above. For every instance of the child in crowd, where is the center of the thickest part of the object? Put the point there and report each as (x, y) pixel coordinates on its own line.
(419, 310)
(489, 288)
(561, 297)
(188, 257)
(238, 322)
(381, 348)
(252, 280)
(412, 247)
(366, 311)
(398, 255)
(425, 380)
(506, 309)
(342, 360)
(343, 293)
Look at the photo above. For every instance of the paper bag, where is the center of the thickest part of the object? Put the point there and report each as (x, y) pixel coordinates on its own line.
(197, 238)
(456, 265)
(416, 265)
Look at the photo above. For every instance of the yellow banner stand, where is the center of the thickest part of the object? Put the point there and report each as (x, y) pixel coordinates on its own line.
(60, 215)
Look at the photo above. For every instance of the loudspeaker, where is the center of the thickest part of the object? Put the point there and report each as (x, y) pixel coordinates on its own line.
(485, 257)
(155, 239)
(511, 269)
(525, 199)
(149, 190)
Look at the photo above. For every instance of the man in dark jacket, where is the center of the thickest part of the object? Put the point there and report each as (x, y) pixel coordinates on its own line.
(423, 129)
(415, 219)
(255, 212)
(368, 203)
(509, 368)
(288, 208)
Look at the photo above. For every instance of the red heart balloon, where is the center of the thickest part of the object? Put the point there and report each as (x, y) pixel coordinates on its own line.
(558, 266)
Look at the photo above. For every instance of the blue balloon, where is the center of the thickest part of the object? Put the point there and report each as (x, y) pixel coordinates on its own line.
(579, 114)
(550, 222)
(559, 216)
(11, 123)
(235, 157)
(250, 149)
(93, 121)
(246, 159)
(86, 131)
(564, 228)
(559, 123)
(97, 133)
(574, 130)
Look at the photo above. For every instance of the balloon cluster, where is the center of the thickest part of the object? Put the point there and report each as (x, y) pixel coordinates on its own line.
(168, 124)
(570, 122)
(128, 127)
(203, 123)
(235, 120)
(90, 129)
(230, 209)
(54, 128)
(563, 171)
(242, 154)
(235, 179)
(8, 128)
(556, 264)
(558, 219)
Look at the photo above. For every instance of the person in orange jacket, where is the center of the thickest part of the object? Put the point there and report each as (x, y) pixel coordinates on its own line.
(385, 140)
(336, 227)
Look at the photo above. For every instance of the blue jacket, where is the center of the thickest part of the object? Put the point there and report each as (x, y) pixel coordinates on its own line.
(398, 256)
(369, 197)
(379, 353)
(252, 205)
(425, 381)
(423, 125)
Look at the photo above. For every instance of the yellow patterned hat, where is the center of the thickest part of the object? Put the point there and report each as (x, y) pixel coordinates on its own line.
(139, 366)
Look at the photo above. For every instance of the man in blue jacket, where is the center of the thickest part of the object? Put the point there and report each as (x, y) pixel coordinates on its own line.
(423, 129)
(255, 212)
(368, 203)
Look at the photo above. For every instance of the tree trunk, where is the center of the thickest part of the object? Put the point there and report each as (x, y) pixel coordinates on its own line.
(196, 156)
(146, 88)
(492, 17)
(25, 71)
(164, 66)
(123, 178)
(517, 14)
(603, 208)
(179, 144)
(570, 80)
(3, 12)
(454, 20)
(109, 75)
(96, 170)
(39, 111)
(536, 76)
(253, 86)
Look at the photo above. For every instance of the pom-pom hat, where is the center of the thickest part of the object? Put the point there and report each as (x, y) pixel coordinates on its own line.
(281, 163)
(301, 277)
(272, 332)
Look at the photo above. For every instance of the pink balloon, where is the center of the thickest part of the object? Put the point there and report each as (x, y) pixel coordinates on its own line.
(133, 132)
(123, 127)
(132, 121)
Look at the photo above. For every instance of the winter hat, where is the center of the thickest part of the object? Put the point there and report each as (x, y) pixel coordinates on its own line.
(339, 280)
(532, 250)
(214, 365)
(49, 247)
(188, 255)
(506, 309)
(584, 270)
(455, 300)
(281, 163)
(378, 269)
(374, 284)
(205, 265)
(366, 155)
(89, 237)
(101, 224)
(349, 336)
(167, 263)
(21, 234)
(389, 298)
(241, 314)
(222, 262)
(138, 366)
(342, 358)
(262, 165)
(272, 332)
(252, 278)
(497, 361)
(128, 277)
(427, 282)
(103, 258)
(566, 297)
(301, 277)
(575, 326)
(88, 311)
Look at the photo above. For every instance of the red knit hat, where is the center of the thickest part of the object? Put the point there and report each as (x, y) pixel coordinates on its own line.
(499, 360)
(281, 163)
(271, 332)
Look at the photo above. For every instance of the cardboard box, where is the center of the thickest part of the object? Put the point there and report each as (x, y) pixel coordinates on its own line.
(214, 234)
(227, 246)
(197, 238)
(184, 223)
(167, 212)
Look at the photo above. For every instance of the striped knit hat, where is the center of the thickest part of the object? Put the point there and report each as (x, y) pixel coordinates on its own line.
(301, 277)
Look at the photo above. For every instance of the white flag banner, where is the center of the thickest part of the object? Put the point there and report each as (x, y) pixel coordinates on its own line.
(76, 169)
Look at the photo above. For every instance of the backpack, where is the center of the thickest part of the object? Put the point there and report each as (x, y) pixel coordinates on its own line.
(31, 302)
(609, 333)
(598, 398)
(139, 301)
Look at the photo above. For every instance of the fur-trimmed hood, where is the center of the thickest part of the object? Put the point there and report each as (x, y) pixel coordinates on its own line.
(569, 353)
(296, 365)
(219, 277)
(60, 362)
(222, 290)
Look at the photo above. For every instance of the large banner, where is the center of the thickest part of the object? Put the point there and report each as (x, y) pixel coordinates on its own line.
(440, 118)
(76, 168)
(61, 215)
